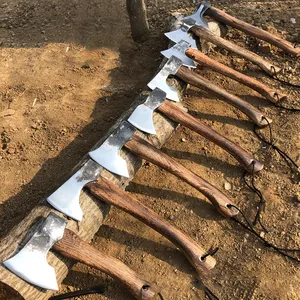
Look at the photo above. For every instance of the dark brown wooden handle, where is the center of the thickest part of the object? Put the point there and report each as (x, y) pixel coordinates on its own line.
(207, 35)
(148, 152)
(112, 194)
(261, 34)
(264, 90)
(73, 247)
(199, 81)
(178, 115)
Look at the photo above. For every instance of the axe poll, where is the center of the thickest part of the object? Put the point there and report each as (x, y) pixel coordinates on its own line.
(188, 55)
(30, 263)
(195, 24)
(259, 33)
(174, 66)
(66, 200)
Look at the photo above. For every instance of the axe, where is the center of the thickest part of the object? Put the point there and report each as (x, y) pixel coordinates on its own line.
(188, 55)
(142, 119)
(196, 25)
(259, 33)
(66, 200)
(174, 67)
(146, 151)
(30, 263)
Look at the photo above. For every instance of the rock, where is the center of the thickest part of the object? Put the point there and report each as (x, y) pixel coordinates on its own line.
(227, 186)
(183, 140)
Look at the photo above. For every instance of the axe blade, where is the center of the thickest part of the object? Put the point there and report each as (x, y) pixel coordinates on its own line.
(160, 80)
(66, 198)
(179, 50)
(108, 154)
(142, 117)
(180, 34)
(30, 263)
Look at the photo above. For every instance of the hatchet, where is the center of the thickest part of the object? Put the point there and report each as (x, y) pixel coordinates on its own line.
(30, 263)
(259, 33)
(142, 119)
(174, 66)
(66, 200)
(195, 24)
(188, 55)
(146, 151)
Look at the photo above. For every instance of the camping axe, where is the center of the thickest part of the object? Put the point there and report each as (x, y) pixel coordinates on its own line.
(189, 56)
(142, 118)
(174, 67)
(30, 263)
(110, 193)
(146, 151)
(194, 25)
(259, 33)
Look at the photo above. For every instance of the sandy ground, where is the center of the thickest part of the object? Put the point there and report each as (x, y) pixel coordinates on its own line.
(69, 69)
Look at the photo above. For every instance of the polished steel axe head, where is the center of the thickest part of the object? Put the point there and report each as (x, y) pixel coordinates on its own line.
(142, 116)
(197, 16)
(66, 197)
(160, 80)
(179, 50)
(188, 22)
(30, 263)
(108, 154)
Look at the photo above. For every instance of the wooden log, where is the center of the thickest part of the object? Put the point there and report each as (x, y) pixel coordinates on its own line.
(261, 34)
(266, 66)
(94, 211)
(138, 20)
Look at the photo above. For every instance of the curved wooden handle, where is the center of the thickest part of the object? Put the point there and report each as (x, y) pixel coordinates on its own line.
(197, 80)
(178, 115)
(264, 90)
(148, 152)
(261, 34)
(112, 194)
(73, 247)
(207, 35)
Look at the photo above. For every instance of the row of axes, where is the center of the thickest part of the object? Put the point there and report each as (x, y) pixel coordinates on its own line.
(30, 262)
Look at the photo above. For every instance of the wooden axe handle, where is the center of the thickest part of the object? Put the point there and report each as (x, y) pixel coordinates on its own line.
(207, 35)
(178, 115)
(112, 194)
(199, 81)
(73, 247)
(264, 90)
(148, 152)
(261, 34)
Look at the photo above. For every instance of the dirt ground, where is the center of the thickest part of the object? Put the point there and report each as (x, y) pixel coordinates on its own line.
(68, 71)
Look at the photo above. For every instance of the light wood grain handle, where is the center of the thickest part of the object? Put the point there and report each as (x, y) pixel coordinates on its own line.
(71, 246)
(112, 194)
(199, 81)
(207, 35)
(261, 34)
(178, 115)
(148, 152)
(264, 90)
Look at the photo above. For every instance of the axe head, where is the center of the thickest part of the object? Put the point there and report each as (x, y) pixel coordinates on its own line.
(188, 22)
(197, 16)
(108, 154)
(30, 263)
(160, 80)
(66, 198)
(142, 116)
(179, 50)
